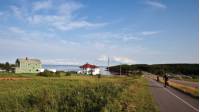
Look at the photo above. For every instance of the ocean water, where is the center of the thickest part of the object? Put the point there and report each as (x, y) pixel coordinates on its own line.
(72, 68)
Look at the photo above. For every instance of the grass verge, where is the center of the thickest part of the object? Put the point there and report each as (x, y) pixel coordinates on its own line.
(194, 92)
(76, 93)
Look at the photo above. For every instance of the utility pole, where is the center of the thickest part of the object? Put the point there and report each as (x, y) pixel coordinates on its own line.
(120, 69)
(108, 63)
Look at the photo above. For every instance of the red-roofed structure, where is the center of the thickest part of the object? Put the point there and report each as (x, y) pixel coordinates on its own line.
(88, 66)
(89, 69)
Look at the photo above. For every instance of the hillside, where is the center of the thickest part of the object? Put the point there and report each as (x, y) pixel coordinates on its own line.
(185, 69)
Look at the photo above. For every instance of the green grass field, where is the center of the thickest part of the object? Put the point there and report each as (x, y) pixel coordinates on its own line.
(76, 94)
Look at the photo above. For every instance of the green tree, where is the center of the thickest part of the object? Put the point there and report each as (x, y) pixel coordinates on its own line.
(7, 66)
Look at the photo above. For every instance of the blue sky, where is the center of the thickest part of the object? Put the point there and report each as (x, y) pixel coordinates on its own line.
(80, 31)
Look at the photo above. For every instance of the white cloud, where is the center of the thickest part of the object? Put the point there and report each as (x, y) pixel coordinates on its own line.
(156, 4)
(61, 61)
(116, 59)
(128, 37)
(70, 25)
(16, 30)
(61, 17)
(123, 60)
(70, 42)
(103, 58)
(68, 8)
(45, 19)
(111, 37)
(147, 33)
(1, 13)
(114, 36)
(131, 38)
(17, 12)
(26, 35)
(47, 45)
(39, 5)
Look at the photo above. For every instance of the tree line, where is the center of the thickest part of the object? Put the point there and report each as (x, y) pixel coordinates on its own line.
(159, 69)
(7, 66)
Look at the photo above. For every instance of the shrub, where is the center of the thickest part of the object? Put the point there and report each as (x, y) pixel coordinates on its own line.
(99, 75)
(73, 72)
(135, 74)
(60, 73)
(67, 74)
(47, 73)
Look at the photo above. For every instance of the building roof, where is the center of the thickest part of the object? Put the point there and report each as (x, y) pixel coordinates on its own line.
(36, 61)
(88, 66)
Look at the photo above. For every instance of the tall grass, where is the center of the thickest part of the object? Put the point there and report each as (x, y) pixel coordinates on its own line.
(75, 94)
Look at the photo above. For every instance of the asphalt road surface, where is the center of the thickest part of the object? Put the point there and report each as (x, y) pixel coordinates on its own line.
(171, 100)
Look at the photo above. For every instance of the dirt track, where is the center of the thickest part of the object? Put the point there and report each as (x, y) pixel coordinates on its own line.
(14, 78)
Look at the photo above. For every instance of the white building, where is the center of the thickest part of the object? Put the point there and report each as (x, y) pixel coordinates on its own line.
(51, 70)
(89, 69)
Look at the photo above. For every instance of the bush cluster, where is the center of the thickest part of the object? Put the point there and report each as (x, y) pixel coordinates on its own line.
(67, 74)
(47, 73)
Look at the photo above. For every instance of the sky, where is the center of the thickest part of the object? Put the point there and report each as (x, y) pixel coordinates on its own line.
(78, 31)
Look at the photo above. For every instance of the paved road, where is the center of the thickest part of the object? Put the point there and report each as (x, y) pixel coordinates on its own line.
(171, 100)
(187, 83)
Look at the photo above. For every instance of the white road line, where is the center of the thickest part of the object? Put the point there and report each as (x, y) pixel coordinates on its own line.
(180, 99)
